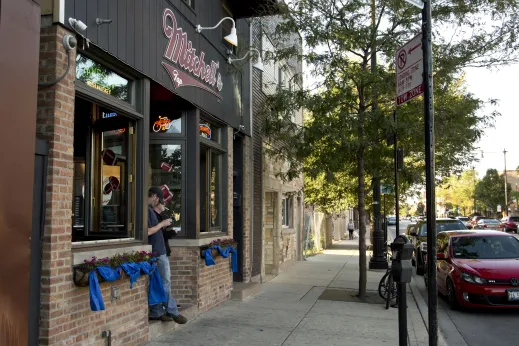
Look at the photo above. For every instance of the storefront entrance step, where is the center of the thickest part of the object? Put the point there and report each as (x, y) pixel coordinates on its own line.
(242, 290)
(158, 328)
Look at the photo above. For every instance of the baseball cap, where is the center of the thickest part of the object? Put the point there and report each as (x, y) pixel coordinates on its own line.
(157, 191)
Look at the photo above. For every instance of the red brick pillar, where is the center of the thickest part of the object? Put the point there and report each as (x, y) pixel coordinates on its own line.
(55, 123)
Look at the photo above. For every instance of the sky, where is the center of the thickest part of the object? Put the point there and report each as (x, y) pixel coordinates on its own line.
(498, 84)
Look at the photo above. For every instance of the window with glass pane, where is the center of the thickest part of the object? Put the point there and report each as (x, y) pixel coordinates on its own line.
(166, 172)
(285, 212)
(210, 190)
(102, 167)
(101, 78)
(166, 123)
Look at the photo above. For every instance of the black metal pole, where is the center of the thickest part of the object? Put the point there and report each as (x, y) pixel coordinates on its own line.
(430, 172)
(385, 223)
(402, 314)
(395, 145)
(378, 260)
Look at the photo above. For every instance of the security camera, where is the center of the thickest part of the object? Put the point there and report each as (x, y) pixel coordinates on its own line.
(77, 25)
(241, 127)
(69, 42)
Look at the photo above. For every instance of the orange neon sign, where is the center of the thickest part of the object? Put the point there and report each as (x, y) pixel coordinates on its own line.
(163, 124)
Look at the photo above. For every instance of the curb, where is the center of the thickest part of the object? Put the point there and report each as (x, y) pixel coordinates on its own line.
(422, 307)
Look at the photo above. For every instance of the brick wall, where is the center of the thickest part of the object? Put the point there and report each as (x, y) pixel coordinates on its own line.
(184, 263)
(268, 232)
(66, 318)
(194, 283)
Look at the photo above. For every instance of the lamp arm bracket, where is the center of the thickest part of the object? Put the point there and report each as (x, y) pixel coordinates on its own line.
(231, 60)
(200, 28)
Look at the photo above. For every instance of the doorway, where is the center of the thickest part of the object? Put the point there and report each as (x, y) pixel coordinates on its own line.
(237, 184)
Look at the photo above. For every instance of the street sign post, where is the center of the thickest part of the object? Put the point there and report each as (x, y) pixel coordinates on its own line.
(409, 70)
(417, 3)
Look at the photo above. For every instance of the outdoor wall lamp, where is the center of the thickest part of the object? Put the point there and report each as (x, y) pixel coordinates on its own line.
(232, 38)
(258, 65)
(77, 25)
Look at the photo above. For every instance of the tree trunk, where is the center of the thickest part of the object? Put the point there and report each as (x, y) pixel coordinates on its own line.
(362, 227)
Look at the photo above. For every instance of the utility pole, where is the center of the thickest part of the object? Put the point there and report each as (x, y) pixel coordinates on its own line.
(506, 186)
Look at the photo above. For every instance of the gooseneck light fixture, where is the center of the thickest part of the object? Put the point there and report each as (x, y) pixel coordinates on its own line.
(232, 38)
(258, 65)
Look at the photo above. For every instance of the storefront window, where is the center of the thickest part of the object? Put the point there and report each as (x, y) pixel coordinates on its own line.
(209, 131)
(210, 190)
(166, 172)
(102, 173)
(101, 78)
(170, 123)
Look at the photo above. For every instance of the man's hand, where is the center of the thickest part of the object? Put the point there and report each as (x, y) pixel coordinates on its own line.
(166, 222)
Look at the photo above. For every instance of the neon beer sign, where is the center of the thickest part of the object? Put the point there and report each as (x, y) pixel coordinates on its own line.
(161, 125)
(190, 68)
(205, 131)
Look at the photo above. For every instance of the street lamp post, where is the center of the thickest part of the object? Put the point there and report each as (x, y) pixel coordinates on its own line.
(474, 179)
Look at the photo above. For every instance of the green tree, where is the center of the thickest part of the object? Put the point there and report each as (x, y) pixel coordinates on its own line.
(458, 190)
(351, 109)
(490, 191)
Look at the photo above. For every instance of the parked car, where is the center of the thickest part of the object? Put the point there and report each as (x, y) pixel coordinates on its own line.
(466, 221)
(509, 223)
(475, 219)
(478, 269)
(391, 220)
(488, 224)
(419, 239)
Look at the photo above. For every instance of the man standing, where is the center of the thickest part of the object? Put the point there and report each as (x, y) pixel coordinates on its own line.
(351, 228)
(156, 240)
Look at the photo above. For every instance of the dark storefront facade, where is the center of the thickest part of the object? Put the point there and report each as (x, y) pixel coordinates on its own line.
(145, 100)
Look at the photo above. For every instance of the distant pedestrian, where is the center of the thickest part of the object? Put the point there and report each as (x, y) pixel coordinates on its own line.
(351, 228)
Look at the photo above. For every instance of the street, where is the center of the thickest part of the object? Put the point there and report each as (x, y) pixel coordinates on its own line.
(470, 327)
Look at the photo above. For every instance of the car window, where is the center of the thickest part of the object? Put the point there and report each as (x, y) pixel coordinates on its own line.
(489, 221)
(514, 219)
(485, 247)
(442, 226)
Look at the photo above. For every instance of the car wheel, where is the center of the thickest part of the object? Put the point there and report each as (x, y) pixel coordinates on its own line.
(452, 299)
(420, 265)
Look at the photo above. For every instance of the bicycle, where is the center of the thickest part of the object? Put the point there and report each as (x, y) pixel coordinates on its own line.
(387, 287)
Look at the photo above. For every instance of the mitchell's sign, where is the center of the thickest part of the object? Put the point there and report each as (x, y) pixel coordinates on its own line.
(180, 51)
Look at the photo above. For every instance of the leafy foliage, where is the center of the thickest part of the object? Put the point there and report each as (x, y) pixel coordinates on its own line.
(458, 191)
(490, 191)
(343, 141)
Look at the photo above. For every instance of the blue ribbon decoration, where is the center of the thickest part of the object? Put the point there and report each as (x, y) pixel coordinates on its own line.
(96, 298)
(209, 260)
(133, 270)
(156, 293)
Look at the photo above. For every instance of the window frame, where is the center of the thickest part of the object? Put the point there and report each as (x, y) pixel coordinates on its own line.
(286, 212)
(160, 140)
(219, 148)
(131, 189)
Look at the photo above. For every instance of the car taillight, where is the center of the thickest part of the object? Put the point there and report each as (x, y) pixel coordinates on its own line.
(485, 226)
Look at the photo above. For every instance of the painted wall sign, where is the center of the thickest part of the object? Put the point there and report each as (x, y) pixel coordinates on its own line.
(180, 52)
(205, 131)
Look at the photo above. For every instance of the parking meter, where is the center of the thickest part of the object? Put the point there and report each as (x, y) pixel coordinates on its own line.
(401, 267)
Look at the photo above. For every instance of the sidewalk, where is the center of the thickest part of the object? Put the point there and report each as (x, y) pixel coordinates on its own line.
(312, 303)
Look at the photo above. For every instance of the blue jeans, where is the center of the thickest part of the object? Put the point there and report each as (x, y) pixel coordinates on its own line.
(165, 274)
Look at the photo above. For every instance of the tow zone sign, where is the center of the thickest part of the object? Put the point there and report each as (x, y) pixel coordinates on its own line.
(409, 70)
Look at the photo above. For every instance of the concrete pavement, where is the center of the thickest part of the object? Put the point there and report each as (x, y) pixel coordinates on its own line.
(311, 303)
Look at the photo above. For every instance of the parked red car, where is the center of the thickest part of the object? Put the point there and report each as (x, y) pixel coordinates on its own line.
(478, 269)
(509, 223)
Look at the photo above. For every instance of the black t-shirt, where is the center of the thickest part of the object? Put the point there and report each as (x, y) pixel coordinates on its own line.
(166, 234)
(156, 240)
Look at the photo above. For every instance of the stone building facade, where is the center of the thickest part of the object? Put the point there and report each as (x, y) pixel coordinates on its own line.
(282, 209)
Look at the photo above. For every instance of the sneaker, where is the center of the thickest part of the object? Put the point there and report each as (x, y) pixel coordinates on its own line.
(179, 319)
(163, 318)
